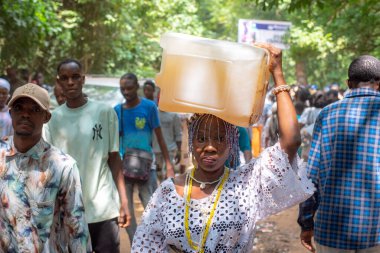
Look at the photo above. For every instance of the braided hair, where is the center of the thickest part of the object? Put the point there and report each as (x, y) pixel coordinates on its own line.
(232, 135)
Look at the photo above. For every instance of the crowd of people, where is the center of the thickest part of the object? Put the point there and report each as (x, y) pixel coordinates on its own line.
(308, 102)
(68, 175)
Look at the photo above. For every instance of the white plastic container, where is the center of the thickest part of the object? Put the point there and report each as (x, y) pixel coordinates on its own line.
(226, 79)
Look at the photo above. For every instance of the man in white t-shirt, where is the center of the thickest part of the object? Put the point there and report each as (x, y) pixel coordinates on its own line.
(88, 131)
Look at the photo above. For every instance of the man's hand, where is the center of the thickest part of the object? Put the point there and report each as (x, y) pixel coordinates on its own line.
(275, 54)
(114, 162)
(124, 219)
(169, 170)
(177, 157)
(306, 237)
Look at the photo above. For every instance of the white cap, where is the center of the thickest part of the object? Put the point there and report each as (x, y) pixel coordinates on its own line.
(5, 84)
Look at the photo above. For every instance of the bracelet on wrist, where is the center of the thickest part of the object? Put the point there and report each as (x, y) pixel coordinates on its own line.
(281, 88)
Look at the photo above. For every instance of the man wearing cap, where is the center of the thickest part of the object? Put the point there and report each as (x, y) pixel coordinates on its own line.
(5, 118)
(41, 206)
(344, 161)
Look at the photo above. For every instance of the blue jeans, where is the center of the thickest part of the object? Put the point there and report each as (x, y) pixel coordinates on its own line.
(145, 192)
(153, 181)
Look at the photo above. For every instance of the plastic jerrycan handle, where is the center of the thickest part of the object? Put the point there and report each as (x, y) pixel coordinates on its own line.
(267, 72)
(266, 50)
(254, 118)
(157, 78)
(268, 62)
(268, 58)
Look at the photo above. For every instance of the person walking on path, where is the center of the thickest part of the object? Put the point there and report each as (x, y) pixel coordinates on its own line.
(344, 161)
(172, 132)
(149, 88)
(41, 206)
(138, 120)
(6, 128)
(88, 131)
(214, 209)
(58, 94)
(245, 144)
(13, 78)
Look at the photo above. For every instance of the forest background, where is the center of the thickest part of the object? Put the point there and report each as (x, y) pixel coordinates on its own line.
(117, 36)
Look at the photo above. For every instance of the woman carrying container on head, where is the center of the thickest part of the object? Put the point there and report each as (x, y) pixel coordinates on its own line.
(214, 209)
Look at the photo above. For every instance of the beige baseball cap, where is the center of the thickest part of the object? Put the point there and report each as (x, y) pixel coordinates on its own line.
(32, 91)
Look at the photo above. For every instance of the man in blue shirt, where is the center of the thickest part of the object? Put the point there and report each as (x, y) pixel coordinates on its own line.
(138, 120)
(344, 161)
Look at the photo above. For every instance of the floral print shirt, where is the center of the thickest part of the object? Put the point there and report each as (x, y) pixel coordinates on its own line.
(41, 207)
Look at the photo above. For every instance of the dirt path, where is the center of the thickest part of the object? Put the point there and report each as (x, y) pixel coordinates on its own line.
(279, 234)
(125, 246)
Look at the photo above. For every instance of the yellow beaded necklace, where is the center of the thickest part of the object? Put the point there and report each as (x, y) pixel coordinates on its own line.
(189, 181)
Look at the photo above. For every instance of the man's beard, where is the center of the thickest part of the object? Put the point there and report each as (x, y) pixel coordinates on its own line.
(23, 134)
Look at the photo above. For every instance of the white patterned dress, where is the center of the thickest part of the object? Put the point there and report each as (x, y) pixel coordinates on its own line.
(264, 186)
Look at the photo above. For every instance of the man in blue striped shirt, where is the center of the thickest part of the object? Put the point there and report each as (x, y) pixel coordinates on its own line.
(344, 164)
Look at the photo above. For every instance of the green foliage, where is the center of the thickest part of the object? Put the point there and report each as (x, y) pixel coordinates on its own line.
(143, 22)
(25, 26)
(317, 50)
(291, 5)
(327, 35)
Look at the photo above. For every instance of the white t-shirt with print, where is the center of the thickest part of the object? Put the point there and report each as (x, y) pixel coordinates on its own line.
(89, 133)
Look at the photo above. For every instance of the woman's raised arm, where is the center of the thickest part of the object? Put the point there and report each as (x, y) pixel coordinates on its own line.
(290, 138)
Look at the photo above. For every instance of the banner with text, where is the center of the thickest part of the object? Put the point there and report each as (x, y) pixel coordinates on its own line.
(251, 30)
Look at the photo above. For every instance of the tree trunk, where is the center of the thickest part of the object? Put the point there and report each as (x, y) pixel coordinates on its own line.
(301, 72)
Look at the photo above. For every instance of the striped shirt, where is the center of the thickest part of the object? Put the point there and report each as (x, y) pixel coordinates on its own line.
(344, 164)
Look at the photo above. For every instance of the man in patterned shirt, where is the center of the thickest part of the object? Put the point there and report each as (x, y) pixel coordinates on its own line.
(344, 162)
(41, 208)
